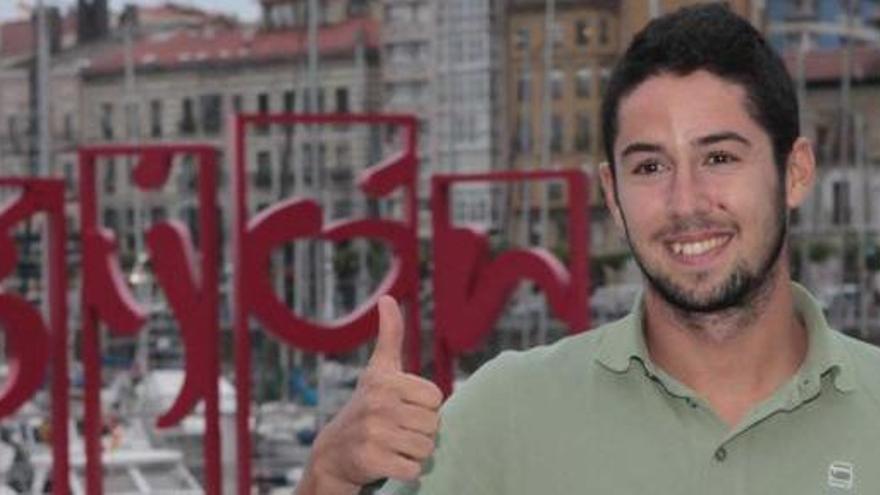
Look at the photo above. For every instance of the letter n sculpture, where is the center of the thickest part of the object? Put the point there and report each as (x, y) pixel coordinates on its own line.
(471, 287)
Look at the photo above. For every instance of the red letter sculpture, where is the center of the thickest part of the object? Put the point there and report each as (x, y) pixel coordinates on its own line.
(470, 288)
(189, 281)
(28, 339)
(298, 218)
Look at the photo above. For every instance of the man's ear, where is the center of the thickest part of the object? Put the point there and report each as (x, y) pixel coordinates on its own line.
(608, 191)
(800, 172)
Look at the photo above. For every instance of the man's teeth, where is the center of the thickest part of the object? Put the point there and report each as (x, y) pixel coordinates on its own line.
(697, 248)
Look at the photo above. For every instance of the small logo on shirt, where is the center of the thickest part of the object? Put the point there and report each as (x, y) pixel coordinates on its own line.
(841, 475)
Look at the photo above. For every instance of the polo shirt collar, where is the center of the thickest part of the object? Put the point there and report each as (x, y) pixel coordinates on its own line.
(825, 353)
(623, 342)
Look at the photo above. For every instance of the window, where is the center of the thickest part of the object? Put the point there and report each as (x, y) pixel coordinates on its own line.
(281, 16)
(603, 31)
(398, 13)
(290, 101)
(803, 8)
(604, 78)
(158, 214)
(237, 104)
(583, 132)
(840, 214)
(110, 219)
(456, 50)
(156, 118)
(556, 133)
(262, 108)
(320, 100)
(212, 113)
(823, 141)
(583, 32)
(521, 38)
(188, 117)
(107, 121)
(522, 141)
(186, 176)
(341, 100)
(555, 191)
(322, 156)
(422, 13)
(357, 8)
(69, 180)
(341, 176)
(132, 119)
(558, 33)
(14, 136)
(68, 126)
(583, 82)
(263, 103)
(523, 88)
(110, 176)
(307, 160)
(342, 209)
(343, 155)
(310, 104)
(263, 178)
(556, 83)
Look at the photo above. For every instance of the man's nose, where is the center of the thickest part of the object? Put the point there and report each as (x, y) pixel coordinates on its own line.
(686, 194)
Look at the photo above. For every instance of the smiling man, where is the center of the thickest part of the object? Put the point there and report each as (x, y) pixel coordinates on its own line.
(724, 379)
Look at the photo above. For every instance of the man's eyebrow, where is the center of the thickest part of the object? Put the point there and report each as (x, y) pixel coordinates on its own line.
(638, 147)
(722, 136)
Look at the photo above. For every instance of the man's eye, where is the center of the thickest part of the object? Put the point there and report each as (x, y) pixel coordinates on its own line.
(721, 158)
(648, 168)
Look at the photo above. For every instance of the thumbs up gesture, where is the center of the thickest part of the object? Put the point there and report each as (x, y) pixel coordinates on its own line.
(387, 428)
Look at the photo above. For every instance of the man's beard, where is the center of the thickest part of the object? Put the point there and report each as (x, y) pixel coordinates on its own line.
(738, 290)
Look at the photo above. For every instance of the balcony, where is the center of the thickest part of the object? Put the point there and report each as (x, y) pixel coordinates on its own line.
(412, 71)
(406, 31)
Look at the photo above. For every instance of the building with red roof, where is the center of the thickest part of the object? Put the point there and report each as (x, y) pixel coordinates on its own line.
(212, 46)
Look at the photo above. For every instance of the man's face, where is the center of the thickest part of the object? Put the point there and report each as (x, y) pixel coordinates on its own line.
(698, 195)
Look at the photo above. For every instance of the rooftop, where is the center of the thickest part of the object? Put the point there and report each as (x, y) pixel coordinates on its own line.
(177, 49)
(827, 65)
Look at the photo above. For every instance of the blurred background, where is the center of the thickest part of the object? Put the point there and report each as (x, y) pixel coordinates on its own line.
(495, 85)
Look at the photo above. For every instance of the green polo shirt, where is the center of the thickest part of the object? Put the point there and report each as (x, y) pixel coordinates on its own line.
(592, 414)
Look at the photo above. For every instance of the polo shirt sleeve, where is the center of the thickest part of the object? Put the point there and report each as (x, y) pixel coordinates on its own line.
(473, 443)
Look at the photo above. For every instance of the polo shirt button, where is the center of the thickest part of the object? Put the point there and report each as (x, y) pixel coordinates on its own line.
(721, 454)
(691, 402)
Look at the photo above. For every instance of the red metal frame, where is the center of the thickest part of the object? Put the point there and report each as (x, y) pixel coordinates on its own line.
(30, 343)
(470, 288)
(295, 218)
(190, 284)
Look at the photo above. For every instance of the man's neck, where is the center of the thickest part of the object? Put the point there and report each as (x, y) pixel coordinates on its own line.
(734, 359)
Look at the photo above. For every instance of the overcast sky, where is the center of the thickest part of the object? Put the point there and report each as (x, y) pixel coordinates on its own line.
(244, 9)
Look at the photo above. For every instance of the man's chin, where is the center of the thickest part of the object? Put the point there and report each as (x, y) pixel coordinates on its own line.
(730, 294)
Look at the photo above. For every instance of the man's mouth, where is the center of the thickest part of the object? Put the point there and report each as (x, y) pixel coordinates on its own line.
(690, 248)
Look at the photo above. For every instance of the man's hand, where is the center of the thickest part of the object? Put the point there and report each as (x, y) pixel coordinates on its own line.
(387, 428)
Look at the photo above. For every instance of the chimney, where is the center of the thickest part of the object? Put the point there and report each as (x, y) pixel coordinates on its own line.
(93, 20)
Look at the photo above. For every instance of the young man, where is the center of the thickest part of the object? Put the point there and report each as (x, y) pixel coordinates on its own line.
(725, 378)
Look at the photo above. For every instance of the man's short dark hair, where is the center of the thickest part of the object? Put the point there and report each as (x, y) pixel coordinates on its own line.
(713, 38)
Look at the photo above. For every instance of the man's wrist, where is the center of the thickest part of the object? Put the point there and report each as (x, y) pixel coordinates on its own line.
(318, 481)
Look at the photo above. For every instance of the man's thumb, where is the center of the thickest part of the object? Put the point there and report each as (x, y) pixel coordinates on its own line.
(389, 343)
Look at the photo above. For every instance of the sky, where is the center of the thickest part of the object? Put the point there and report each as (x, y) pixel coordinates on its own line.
(243, 9)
